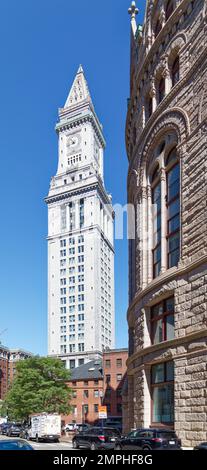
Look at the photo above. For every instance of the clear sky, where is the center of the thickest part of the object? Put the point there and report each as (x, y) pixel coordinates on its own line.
(42, 43)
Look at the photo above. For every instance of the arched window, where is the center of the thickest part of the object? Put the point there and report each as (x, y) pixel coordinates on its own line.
(173, 208)
(169, 9)
(175, 71)
(158, 28)
(156, 201)
(161, 90)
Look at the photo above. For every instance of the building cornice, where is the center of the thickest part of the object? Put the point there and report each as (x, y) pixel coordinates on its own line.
(80, 191)
(165, 277)
(77, 121)
(168, 345)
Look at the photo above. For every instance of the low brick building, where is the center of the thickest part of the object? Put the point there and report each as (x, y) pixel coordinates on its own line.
(87, 388)
(8, 360)
(95, 383)
(114, 372)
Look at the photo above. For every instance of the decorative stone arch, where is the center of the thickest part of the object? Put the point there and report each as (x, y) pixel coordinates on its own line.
(174, 47)
(133, 178)
(174, 119)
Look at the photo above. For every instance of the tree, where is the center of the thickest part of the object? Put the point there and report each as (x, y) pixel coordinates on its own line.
(39, 386)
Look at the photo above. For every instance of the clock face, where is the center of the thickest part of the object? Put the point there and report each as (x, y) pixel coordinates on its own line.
(73, 141)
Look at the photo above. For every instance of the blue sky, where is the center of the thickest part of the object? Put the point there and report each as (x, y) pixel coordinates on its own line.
(42, 45)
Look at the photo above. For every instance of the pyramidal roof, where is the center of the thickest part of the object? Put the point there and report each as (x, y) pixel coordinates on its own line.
(79, 91)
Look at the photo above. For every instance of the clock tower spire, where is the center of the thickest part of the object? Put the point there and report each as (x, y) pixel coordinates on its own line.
(80, 236)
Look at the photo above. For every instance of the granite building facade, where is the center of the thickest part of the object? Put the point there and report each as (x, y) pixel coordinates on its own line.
(167, 186)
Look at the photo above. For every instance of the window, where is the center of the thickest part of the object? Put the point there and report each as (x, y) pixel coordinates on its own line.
(95, 408)
(118, 377)
(72, 364)
(108, 378)
(119, 363)
(81, 212)
(162, 321)
(80, 347)
(85, 393)
(80, 362)
(96, 393)
(156, 200)
(175, 71)
(161, 90)
(169, 9)
(173, 208)
(162, 390)
(107, 363)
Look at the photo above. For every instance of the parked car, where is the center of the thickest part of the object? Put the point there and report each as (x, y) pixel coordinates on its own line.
(14, 430)
(201, 446)
(14, 444)
(4, 427)
(149, 439)
(79, 427)
(70, 427)
(96, 438)
(111, 422)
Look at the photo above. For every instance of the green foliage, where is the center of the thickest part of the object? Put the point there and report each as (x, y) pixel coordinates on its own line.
(39, 386)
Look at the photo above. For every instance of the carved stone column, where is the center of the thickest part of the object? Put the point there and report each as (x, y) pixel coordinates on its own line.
(150, 234)
(163, 221)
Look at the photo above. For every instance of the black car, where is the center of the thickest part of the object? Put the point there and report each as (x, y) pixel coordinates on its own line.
(14, 444)
(201, 446)
(14, 429)
(96, 438)
(149, 439)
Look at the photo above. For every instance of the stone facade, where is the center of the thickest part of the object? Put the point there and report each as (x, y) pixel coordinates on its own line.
(168, 53)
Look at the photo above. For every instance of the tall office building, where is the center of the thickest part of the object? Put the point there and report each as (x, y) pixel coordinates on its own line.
(80, 237)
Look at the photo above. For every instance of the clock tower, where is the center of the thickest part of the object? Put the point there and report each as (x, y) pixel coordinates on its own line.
(80, 236)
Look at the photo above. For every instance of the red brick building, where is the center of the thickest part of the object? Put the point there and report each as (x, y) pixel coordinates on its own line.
(8, 360)
(87, 386)
(95, 383)
(114, 373)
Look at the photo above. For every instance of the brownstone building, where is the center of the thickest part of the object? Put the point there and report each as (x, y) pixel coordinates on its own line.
(167, 180)
(8, 360)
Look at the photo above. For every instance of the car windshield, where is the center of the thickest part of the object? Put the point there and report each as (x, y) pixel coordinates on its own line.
(166, 435)
(14, 445)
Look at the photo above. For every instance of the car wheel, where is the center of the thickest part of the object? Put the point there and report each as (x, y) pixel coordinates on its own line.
(146, 448)
(93, 446)
(75, 444)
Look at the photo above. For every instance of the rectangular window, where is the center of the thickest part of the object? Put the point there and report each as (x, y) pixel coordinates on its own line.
(72, 366)
(95, 408)
(107, 363)
(81, 212)
(118, 377)
(162, 321)
(173, 207)
(162, 390)
(85, 393)
(80, 347)
(119, 363)
(108, 378)
(72, 215)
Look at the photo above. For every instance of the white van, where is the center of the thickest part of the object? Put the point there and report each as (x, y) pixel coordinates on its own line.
(45, 426)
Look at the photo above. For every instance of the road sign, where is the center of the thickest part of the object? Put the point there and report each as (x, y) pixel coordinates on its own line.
(102, 412)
